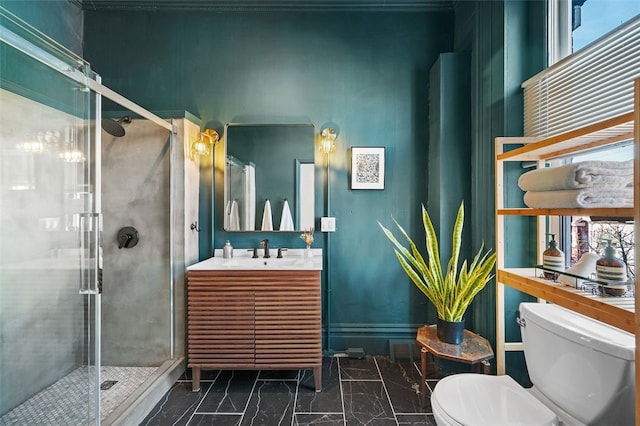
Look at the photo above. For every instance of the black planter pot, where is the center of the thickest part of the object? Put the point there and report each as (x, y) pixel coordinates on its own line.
(450, 332)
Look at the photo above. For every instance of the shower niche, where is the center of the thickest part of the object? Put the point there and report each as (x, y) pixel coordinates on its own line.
(269, 177)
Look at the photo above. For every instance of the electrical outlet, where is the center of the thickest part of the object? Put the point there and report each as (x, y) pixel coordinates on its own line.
(327, 224)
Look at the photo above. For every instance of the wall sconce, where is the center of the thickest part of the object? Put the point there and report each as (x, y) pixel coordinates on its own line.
(206, 140)
(328, 140)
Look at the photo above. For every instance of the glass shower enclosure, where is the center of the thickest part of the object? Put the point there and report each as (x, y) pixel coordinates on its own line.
(50, 254)
(54, 315)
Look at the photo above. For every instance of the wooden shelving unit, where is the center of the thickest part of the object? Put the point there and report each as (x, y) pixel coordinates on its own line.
(616, 311)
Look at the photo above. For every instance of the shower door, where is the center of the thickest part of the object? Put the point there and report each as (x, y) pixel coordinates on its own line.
(49, 233)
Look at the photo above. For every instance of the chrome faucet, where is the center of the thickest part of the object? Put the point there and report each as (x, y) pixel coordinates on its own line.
(265, 243)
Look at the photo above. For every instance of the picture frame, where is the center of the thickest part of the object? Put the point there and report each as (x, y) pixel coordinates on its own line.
(367, 167)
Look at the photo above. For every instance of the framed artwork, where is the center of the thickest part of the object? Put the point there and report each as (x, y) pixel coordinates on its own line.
(367, 168)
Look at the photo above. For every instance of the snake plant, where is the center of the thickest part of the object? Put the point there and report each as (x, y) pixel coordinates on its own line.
(452, 293)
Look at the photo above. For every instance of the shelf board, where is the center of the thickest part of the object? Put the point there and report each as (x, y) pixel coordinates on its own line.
(616, 212)
(613, 130)
(616, 311)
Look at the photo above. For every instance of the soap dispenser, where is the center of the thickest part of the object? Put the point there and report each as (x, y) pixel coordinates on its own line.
(609, 268)
(227, 250)
(552, 258)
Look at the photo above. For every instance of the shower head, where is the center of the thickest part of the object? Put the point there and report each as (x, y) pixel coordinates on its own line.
(114, 127)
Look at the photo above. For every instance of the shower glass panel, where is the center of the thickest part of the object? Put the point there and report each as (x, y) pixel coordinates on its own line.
(49, 233)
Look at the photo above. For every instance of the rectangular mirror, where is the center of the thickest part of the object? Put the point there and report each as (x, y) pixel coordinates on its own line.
(269, 177)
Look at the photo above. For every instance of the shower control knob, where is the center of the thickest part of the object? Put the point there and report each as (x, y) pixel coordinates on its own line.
(127, 237)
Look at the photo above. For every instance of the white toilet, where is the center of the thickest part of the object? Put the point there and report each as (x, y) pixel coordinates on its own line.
(582, 372)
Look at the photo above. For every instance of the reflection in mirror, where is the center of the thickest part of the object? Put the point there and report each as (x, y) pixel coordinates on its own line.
(269, 177)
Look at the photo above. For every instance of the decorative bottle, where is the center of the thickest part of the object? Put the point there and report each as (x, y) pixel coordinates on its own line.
(552, 258)
(609, 268)
(227, 250)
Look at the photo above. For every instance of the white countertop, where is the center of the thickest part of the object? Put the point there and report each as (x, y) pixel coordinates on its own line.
(292, 259)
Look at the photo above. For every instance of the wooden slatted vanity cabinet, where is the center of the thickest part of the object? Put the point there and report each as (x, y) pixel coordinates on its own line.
(260, 319)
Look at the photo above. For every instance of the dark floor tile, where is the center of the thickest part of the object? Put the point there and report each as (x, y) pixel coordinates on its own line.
(431, 385)
(205, 375)
(215, 419)
(279, 374)
(416, 419)
(229, 393)
(327, 401)
(271, 404)
(176, 406)
(366, 402)
(358, 369)
(402, 381)
(318, 419)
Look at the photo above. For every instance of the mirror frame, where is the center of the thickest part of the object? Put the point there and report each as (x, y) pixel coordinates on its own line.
(301, 172)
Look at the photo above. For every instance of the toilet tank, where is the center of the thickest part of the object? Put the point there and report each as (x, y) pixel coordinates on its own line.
(582, 365)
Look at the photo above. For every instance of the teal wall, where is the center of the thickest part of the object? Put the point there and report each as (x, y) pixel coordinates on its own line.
(366, 72)
(507, 43)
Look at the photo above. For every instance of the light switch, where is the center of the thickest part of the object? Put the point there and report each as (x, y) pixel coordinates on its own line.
(328, 224)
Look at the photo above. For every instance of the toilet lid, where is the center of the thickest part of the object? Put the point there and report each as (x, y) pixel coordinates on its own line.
(477, 399)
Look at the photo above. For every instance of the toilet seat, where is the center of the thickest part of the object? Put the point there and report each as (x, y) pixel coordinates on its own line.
(478, 399)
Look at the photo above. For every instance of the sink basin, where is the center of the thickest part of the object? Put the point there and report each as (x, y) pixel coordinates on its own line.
(294, 260)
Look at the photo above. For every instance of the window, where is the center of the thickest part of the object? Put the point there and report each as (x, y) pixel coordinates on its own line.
(590, 85)
(574, 24)
(591, 19)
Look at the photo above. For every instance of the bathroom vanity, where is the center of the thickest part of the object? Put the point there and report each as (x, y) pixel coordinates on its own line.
(249, 313)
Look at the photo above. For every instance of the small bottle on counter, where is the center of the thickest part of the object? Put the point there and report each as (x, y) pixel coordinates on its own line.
(552, 258)
(609, 268)
(227, 250)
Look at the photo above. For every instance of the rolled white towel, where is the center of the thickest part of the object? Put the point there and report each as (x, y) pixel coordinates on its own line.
(614, 174)
(267, 221)
(579, 198)
(286, 221)
(234, 217)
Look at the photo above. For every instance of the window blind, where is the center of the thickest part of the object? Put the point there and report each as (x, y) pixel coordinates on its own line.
(591, 85)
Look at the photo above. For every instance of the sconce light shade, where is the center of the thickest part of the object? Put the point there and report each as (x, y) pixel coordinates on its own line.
(328, 140)
(202, 146)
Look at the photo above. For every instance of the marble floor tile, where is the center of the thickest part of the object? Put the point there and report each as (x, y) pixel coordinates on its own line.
(415, 419)
(366, 402)
(358, 369)
(215, 419)
(304, 419)
(229, 393)
(177, 406)
(327, 401)
(372, 391)
(402, 381)
(271, 403)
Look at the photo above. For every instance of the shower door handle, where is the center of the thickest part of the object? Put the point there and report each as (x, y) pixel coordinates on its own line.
(90, 253)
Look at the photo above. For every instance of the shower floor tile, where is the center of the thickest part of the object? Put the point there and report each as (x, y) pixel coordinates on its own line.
(66, 402)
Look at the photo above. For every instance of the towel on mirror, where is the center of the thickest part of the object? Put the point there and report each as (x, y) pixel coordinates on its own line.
(267, 222)
(579, 198)
(249, 183)
(234, 217)
(286, 221)
(585, 174)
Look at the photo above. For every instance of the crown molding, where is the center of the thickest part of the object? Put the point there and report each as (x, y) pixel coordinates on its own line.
(271, 5)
